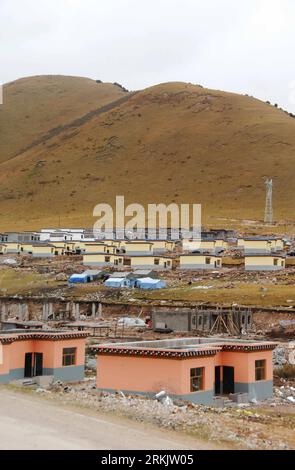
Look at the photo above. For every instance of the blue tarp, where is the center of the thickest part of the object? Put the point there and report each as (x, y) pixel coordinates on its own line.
(86, 276)
(79, 278)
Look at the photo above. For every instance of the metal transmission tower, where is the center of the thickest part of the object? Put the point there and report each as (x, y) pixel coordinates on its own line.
(268, 217)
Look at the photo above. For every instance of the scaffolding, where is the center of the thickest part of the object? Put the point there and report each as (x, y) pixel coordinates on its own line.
(232, 322)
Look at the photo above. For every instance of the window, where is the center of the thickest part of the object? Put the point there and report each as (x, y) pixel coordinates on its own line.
(260, 370)
(156, 261)
(197, 379)
(208, 260)
(107, 259)
(200, 320)
(275, 262)
(69, 356)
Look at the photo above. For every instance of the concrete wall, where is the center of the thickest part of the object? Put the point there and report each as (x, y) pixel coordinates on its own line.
(175, 320)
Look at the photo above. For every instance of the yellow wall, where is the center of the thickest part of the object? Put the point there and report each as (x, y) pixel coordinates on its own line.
(263, 261)
(149, 260)
(163, 245)
(59, 244)
(134, 246)
(58, 249)
(277, 244)
(209, 245)
(26, 247)
(43, 250)
(94, 247)
(221, 244)
(12, 246)
(97, 258)
(198, 260)
(255, 244)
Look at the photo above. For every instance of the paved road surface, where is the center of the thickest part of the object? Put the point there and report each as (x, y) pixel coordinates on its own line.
(30, 422)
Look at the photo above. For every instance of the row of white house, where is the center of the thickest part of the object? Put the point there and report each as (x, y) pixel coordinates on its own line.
(260, 253)
(254, 244)
(245, 244)
(101, 255)
(192, 261)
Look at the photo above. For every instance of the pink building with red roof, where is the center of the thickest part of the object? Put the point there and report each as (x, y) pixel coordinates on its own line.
(195, 369)
(36, 353)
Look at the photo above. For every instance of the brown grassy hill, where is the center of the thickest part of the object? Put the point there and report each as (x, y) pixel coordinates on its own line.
(174, 142)
(34, 105)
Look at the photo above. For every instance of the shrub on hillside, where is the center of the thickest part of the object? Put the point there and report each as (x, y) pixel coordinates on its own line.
(286, 371)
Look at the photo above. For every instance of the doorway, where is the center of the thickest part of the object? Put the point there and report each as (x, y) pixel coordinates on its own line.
(228, 380)
(33, 364)
(217, 380)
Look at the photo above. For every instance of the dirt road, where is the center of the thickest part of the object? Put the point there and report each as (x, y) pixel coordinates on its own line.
(30, 422)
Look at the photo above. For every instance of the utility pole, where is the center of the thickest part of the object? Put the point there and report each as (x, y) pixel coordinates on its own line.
(268, 216)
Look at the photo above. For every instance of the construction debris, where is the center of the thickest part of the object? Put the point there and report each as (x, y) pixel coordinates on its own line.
(243, 425)
(163, 398)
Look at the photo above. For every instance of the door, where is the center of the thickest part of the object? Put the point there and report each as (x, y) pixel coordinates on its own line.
(38, 364)
(33, 364)
(28, 365)
(228, 380)
(217, 380)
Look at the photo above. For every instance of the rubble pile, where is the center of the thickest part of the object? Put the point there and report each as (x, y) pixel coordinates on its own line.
(284, 354)
(284, 394)
(242, 426)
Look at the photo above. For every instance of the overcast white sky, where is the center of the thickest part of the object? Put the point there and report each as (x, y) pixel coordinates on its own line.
(234, 45)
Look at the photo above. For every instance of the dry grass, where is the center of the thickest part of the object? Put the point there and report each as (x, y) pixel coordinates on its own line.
(35, 105)
(286, 372)
(226, 291)
(172, 142)
(21, 282)
(242, 293)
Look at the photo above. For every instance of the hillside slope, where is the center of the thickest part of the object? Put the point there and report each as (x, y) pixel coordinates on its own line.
(34, 105)
(174, 142)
